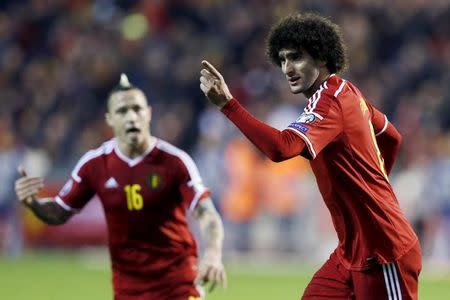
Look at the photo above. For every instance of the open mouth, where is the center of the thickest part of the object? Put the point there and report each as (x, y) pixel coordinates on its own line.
(133, 130)
(294, 79)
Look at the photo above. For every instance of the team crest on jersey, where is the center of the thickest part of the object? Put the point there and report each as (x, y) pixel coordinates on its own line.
(306, 118)
(66, 188)
(155, 181)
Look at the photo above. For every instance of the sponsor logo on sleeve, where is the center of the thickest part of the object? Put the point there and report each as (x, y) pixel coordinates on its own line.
(300, 127)
(306, 118)
(66, 188)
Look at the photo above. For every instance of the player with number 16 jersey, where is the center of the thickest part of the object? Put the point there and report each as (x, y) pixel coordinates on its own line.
(144, 200)
(146, 187)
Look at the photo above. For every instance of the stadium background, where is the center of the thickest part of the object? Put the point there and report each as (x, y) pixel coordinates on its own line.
(60, 58)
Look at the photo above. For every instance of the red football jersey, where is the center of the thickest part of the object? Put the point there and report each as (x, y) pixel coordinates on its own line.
(338, 127)
(145, 200)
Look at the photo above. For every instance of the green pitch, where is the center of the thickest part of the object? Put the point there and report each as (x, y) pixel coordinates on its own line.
(56, 276)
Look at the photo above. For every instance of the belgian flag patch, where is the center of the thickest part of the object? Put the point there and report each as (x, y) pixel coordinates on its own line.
(154, 181)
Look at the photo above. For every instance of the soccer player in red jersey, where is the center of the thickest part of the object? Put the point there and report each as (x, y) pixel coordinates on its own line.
(146, 186)
(351, 147)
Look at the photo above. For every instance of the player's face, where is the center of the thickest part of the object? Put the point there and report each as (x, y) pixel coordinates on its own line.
(300, 69)
(129, 116)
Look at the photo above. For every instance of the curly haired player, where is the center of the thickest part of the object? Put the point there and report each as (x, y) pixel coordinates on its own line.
(351, 147)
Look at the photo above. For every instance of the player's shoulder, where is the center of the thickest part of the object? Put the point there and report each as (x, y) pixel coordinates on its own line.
(104, 149)
(330, 92)
(171, 151)
(321, 101)
(91, 156)
(178, 156)
(334, 86)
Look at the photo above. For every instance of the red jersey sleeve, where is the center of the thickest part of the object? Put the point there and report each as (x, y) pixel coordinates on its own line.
(191, 186)
(387, 136)
(77, 191)
(318, 125)
(275, 144)
(378, 119)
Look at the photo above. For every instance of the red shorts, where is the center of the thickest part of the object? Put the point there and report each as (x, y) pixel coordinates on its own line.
(393, 281)
(174, 284)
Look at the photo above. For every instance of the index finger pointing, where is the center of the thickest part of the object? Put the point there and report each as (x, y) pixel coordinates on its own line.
(211, 68)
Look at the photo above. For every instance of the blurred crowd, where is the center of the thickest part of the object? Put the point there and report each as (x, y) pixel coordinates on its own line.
(60, 58)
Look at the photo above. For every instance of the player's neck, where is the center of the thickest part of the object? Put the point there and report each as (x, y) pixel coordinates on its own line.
(133, 151)
(324, 74)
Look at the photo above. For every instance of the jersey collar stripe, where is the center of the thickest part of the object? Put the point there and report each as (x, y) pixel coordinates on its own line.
(312, 99)
(134, 161)
(384, 127)
(310, 102)
(64, 205)
(315, 98)
(339, 90)
(306, 139)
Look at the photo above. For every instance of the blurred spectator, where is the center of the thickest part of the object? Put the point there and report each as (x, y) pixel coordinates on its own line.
(436, 197)
(240, 203)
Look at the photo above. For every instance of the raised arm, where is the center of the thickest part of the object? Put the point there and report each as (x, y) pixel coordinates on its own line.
(275, 144)
(211, 229)
(46, 209)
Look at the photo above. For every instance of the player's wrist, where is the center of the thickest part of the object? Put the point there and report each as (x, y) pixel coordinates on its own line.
(212, 254)
(221, 105)
(228, 105)
(29, 202)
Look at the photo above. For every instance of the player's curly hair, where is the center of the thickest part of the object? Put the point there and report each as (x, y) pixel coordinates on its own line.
(315, 34)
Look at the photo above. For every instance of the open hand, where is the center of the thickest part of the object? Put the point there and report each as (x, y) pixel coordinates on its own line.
(213, 85)
(211, 270)
(27, 187)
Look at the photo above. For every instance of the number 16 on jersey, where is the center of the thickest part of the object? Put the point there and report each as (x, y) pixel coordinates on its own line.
(134, 198)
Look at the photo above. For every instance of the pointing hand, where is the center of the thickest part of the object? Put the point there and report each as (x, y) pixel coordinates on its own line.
(213, 85)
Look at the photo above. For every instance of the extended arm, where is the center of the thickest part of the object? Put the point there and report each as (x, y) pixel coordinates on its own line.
(49, 212)
(211, 229)
(275, 144)
(45, 209)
